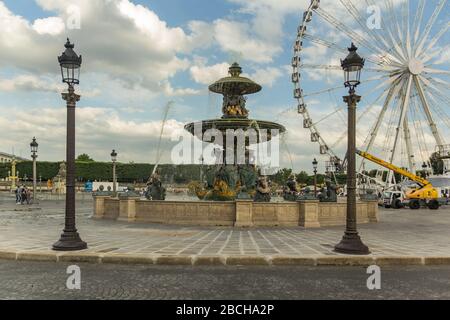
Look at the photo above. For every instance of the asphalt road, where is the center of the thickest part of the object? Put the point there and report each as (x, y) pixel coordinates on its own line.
(47, 280)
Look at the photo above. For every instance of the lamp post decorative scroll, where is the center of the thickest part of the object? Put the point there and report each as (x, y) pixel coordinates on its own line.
(70, 64)
(351, 242)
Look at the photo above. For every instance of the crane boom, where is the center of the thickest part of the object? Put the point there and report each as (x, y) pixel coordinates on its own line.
(423, 182)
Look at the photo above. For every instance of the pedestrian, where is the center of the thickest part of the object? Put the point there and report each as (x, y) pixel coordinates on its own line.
(17, 194)
(28, 195)
(23, 195)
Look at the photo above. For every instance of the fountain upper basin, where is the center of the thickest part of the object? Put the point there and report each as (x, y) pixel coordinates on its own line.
(235, 124)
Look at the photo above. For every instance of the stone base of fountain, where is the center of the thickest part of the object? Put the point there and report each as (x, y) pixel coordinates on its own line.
(239, 213)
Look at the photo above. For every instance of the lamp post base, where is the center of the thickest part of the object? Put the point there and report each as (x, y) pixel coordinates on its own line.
(69, 241)
(351, 244)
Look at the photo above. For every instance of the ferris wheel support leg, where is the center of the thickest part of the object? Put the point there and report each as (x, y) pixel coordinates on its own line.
(426, 109)
(404, 109)
(409, 150)
(374, 133)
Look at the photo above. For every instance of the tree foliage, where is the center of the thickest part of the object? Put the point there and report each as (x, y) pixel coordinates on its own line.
(84, 158)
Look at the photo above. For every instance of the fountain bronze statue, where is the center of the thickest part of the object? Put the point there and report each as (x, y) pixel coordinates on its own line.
(155, 189)
(228, 179)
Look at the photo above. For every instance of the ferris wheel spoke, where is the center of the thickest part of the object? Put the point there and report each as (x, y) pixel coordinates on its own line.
(427, 30)
(347, 30)
(429, 56)
(397, 48)
(391, 58)
(325, 43)
(338, 67)
(406, 27)
(395, 29)
(351, 8)
(436, 38)
(418, 19)
(440, 82)
(336, 110)
(435, 71)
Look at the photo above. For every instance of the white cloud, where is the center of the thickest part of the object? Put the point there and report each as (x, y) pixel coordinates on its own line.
(234, 37)
(267, 76)
(208, 74)
(98, 130)
(52, 26)
(117, 37)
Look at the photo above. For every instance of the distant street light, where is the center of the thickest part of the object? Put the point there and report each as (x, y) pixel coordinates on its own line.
(70, 64)
(34, 148)
(114, 159)
(351, 242)
(315, 163)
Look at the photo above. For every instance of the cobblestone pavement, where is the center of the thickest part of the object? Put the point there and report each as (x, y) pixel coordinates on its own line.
(400, 233)
(47, 280)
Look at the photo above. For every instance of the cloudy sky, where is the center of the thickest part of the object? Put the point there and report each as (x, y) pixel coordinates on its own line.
(140, 54)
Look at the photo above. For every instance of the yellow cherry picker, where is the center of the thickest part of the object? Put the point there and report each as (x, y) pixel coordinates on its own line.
(424, 195)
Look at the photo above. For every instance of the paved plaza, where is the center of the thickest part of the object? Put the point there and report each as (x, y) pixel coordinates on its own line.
(401, 237)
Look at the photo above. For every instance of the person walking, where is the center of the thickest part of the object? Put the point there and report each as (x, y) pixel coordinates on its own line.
(28, 196)
(23, 195)
(17, 194)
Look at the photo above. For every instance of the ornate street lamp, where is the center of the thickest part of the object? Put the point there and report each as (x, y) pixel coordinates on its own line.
(70, 64)
(34, 148)
(114, 160)
(351, 242)
(315, 163)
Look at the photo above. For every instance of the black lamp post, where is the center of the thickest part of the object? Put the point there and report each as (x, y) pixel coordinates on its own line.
(314, 163)
(34, 148)
(114, 159)
(70, 64)
(351, 242)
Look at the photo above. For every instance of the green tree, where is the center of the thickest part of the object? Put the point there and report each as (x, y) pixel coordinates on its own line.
(282, 176)
(84, 158)
(302, 177)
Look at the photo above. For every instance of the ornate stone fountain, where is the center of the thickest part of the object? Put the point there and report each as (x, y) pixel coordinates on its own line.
(233, 183)
(231, 179)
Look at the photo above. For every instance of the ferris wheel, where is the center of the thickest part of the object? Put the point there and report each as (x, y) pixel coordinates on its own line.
(404, 113)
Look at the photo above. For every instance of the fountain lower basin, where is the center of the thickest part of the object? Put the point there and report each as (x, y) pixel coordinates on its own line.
(238, 213)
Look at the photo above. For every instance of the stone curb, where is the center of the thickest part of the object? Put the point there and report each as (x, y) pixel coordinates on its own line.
(223, 260)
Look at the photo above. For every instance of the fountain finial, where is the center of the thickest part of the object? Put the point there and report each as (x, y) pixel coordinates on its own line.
(235, 70)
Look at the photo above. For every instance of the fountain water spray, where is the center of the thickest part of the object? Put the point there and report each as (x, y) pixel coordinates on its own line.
(169, 105)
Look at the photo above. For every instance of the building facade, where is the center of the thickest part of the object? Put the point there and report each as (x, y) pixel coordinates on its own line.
(6, 157)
